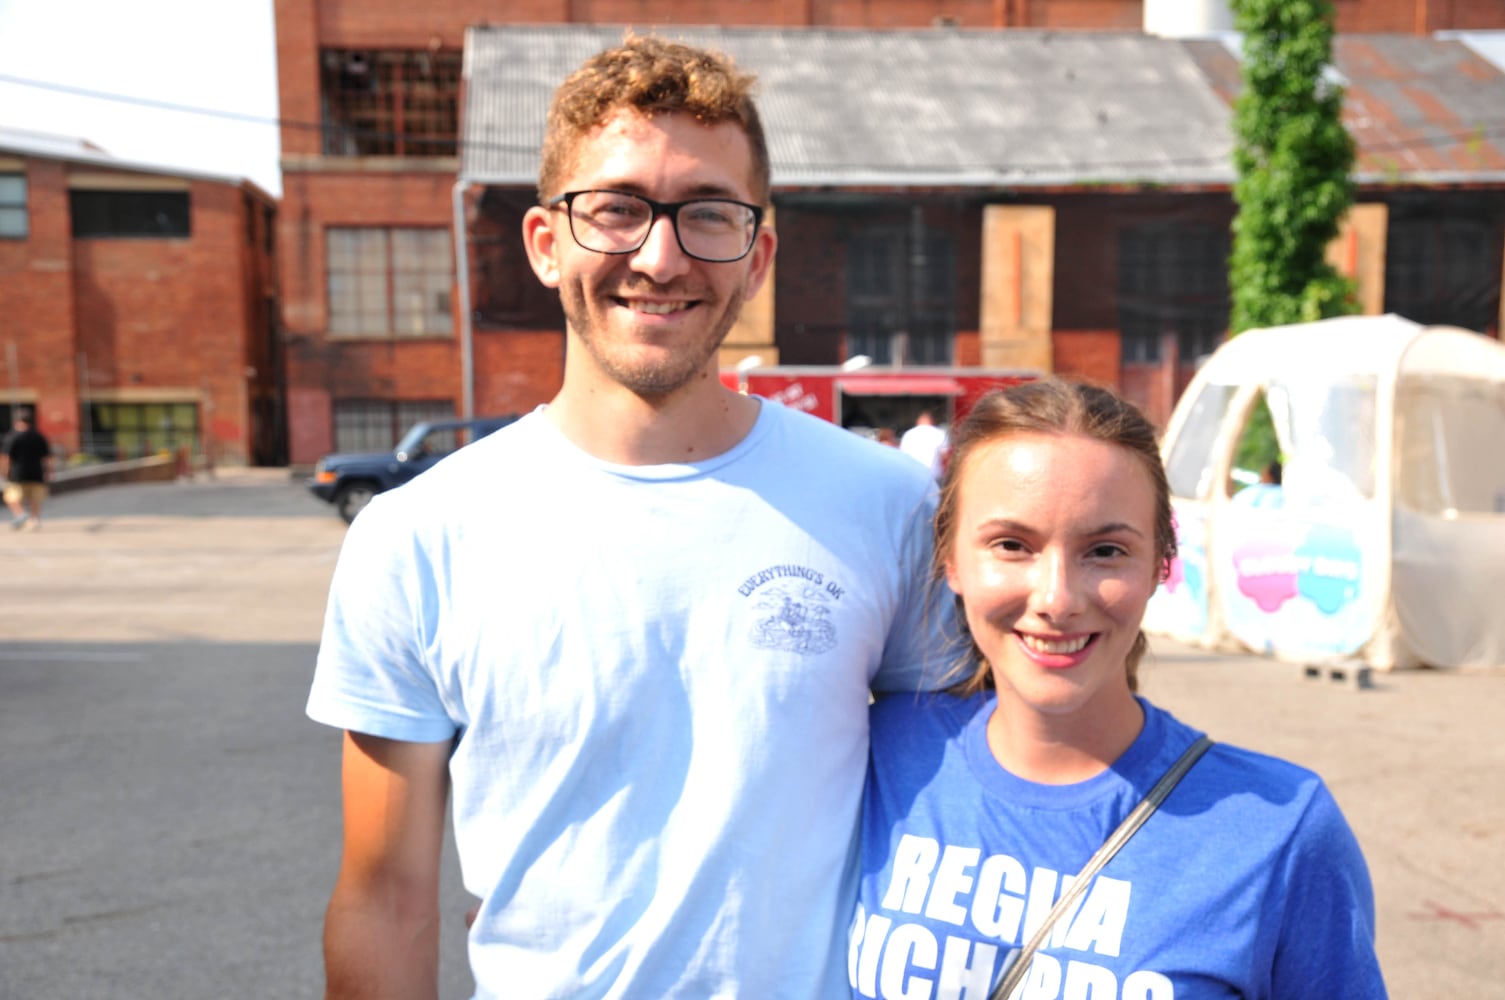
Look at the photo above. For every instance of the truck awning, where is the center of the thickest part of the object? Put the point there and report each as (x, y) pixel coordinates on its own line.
(899, 385)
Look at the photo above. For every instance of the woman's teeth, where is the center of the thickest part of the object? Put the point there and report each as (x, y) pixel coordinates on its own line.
(1056, 647)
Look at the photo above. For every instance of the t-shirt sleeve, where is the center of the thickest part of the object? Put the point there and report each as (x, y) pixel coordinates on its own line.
(1326, 937)
(372, 675)
(922, 632)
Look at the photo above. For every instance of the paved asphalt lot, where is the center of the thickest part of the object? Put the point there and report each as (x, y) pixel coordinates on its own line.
(169, 821)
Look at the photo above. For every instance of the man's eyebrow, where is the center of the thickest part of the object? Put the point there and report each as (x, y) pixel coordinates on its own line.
(1114, 528)
(707, 189)
(1110, 528)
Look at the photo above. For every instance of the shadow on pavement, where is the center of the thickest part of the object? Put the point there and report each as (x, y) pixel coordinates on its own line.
(171, 823)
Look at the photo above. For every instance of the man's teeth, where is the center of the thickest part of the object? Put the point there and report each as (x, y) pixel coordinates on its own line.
(658, 308)
(1056, 647)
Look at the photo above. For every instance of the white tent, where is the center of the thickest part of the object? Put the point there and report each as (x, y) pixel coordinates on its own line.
(1384, 539)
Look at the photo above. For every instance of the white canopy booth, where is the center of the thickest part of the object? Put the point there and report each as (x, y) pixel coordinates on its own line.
(1383, 537)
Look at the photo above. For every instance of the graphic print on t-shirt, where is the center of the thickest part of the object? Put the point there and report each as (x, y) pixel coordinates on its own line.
(905, 949)
(793, 609)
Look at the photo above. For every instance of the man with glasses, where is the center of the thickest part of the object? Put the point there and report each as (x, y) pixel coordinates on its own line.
(634, 632)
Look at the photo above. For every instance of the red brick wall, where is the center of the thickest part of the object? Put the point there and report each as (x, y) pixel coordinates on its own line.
(352, 368)
(516, 370)
(297, 76)
(1118, 15)
(36, 306)
(145, 314)
(375, 23)
(174, 314)
(1092, 355)
(309, 417)
(393, 22)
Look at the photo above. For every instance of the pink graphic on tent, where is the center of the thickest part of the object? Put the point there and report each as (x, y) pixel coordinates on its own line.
(1266, 573)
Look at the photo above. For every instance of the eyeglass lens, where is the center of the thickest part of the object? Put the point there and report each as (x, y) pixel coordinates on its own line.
(612, 222)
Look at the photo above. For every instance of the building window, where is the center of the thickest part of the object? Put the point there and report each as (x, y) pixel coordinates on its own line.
(901, 306)
(378, 424)
(1443, 271)
(113, 431)
(129, 213)
(1172, 279)
(394, 103)
(14, 222)
(389, 282)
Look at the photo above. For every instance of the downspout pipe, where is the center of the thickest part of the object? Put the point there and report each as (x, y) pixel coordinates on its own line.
(462, 295)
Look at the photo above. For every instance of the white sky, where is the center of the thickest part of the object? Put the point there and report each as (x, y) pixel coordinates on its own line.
(217, 55)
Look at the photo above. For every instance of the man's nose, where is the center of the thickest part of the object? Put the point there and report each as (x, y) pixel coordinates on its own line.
(660, 257)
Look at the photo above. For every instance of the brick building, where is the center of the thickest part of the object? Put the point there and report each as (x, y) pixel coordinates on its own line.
(138, 305)
(379, 333)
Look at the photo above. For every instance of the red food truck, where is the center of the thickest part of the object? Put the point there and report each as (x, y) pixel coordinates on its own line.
(868, 399)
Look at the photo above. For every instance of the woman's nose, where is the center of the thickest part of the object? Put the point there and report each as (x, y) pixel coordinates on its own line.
(1053, 594)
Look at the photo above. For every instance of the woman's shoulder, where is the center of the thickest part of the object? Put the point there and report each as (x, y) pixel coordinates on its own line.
(1230, 774)
(935, 711)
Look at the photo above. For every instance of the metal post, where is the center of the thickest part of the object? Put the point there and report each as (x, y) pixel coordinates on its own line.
(462, 294)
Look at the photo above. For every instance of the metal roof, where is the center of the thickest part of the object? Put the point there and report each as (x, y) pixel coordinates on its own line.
(1423, 109)
(72, 149)
(932, 107)
(1009, 109)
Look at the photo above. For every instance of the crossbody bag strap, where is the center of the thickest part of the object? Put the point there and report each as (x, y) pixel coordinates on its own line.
(1117, 839)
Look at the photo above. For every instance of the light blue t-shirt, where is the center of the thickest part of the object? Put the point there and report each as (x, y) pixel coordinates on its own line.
(657, 680)
(1246, 882)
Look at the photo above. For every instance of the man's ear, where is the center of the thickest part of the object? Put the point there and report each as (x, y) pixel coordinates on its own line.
(761, 259)
(542, 244)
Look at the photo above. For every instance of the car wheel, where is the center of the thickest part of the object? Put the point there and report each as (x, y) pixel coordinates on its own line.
(352, 499)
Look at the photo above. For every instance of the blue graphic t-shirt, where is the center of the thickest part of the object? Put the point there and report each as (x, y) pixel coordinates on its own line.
(1247, 882)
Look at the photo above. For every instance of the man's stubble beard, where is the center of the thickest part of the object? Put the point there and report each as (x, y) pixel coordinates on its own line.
(649, 380)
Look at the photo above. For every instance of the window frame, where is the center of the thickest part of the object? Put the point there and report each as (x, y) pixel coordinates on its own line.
(120, 429)
(364, 424)
(15, 208)
(390, 102)
(882, 299)
(1154, 296)
(109, 214)
(353, 282)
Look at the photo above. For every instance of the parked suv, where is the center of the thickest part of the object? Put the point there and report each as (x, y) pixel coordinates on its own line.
(350, 479)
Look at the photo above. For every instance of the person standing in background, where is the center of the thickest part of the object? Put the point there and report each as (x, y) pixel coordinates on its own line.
(27, 456)
(925, 443)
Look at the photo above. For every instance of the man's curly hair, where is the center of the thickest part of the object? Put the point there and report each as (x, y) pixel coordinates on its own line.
(651, 76)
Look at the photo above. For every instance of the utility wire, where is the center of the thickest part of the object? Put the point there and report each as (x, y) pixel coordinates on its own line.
(1423, 140)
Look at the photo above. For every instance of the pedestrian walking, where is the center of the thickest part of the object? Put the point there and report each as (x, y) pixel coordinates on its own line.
(27, 457)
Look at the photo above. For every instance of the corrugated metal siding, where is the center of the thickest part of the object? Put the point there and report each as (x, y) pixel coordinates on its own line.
(1422, 108)
(1019, 108)
(906, 108)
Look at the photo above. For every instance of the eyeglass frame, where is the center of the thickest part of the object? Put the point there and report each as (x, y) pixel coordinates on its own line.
(657, 210)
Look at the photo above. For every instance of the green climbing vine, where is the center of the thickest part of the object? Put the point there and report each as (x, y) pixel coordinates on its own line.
(1294, 162)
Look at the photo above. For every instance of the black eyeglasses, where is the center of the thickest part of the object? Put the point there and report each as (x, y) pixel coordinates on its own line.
(717, 230)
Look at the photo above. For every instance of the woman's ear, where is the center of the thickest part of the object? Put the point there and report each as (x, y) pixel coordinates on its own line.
(952, 581)
(542, 244)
